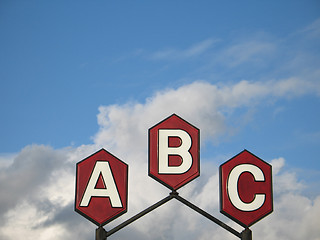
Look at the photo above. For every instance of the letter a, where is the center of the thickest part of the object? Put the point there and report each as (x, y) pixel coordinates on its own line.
(101, 168)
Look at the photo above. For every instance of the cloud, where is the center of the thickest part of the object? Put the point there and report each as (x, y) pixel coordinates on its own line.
(39, 182)
(292, 210)
(253, 51)
(312, 30)
(204, 104)
(32, 167)
(192, 51)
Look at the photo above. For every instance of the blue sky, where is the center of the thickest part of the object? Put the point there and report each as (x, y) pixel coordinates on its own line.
(60, 62)
(75, 75)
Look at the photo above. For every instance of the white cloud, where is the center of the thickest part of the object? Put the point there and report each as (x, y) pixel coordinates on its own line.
(192, 51)
(200, 102)
(253, 51)
(39, 183)
(313, 29)
(6, 159)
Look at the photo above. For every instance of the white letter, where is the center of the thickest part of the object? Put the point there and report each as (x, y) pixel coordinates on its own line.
(183, 151)
(233, 187)
(110, 191)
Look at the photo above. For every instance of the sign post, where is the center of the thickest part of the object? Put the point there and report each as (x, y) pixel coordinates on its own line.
(101, 188)
(174, 160)
(246, 188)
(174, 155)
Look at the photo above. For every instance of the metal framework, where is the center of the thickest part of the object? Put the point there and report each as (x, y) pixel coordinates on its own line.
(102, 234)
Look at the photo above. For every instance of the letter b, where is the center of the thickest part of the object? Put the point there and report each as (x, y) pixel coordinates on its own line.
(164, 151)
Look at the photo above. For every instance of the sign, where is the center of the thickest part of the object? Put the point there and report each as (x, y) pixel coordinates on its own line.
(174, 148)
(174, 160)
(246, 188)
(101, 187)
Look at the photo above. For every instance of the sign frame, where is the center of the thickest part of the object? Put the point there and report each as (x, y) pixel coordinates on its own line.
(224, 196)
(153, 142)
(124, 199)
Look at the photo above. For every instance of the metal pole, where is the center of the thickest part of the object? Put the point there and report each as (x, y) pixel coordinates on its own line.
(101, 234)
(207, 215)
(246, 234)
(139, 215)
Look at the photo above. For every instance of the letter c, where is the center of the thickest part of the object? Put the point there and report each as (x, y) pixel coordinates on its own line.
(232, 187)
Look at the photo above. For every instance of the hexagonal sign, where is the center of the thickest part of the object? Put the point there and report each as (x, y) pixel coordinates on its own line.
(101, 187)
(174, 152)
(246, 188)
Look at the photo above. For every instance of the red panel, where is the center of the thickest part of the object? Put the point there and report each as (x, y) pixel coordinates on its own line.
(99, 210)
(247, 189)
(174, 181)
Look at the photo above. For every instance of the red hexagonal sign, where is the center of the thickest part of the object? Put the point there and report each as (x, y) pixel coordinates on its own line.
(101, 187)
(174, 152)
(246, 188)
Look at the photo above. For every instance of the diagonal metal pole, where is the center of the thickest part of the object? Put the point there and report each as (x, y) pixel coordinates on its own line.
(139, 215)
(102, 234)
(207, 215)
